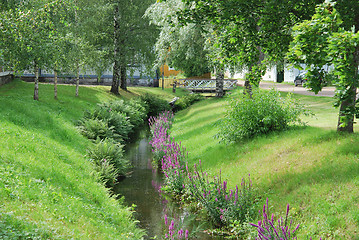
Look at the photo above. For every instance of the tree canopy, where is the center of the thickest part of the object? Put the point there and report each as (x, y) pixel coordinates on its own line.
(29, 34)
(183, 47)
(251, 34)
(331, 37)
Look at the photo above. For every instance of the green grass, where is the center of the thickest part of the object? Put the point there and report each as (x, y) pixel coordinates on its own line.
(46, 187)
(165, 94)
(312, 168)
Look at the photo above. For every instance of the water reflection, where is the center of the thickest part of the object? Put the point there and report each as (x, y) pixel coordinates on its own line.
(141, 189)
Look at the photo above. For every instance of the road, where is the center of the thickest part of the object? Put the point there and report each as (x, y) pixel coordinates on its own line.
(326, 91)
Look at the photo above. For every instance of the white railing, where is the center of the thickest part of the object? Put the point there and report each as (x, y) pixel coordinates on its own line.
(206, 84)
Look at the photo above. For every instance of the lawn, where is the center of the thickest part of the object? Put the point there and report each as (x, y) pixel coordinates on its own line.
(47, 190)
(312, 168)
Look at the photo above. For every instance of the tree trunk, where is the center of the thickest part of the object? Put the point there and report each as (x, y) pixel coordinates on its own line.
(346, 114)
(77, 79)
(115, 78)
(248, 85)
(219, 82)
(116, 53)
(347, 106)
(55, 84)
(123, 78)
(36, 89)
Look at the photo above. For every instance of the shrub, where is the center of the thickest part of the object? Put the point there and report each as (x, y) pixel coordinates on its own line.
(224, 206)
(138, 113)
(154, 105)
(186, 101)
(106, 172)
(96, 129)
(111, 153)
(133, 109)
(116, 120)
(264, 112)
(269, 229)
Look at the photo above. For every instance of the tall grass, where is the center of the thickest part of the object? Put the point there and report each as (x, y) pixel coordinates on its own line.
(312, 168)
(46, 187)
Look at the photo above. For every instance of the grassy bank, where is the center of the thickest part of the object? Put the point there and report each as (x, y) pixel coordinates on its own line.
(46, 187)
(312, 168)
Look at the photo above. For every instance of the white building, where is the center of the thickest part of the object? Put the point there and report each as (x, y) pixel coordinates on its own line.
(272, 74)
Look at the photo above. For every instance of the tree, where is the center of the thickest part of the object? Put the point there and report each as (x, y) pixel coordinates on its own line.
(182, 47)
(331, 37)
(128, 38)
(251, 34)
(29, 34)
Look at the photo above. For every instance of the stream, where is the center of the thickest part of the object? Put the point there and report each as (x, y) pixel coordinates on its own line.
(141, 189)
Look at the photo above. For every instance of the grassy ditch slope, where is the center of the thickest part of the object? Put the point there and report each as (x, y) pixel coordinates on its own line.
(312, 168)
(46, 187)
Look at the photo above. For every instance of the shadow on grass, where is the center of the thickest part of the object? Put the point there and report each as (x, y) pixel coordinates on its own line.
(207, 109)
(228, 153)
(337, 168)
(47, 116)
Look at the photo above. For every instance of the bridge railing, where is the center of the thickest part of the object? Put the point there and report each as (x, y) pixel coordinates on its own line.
(206, 84)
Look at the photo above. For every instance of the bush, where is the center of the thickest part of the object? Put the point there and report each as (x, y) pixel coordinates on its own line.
(154, 105)
(265, 112)
(96, 129)
(116, 120)
(111, 153)
(106, 172)
(133, 109)
(224, 206)
(186, 101)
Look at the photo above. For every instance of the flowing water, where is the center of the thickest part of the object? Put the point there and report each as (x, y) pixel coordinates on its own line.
(141, 189)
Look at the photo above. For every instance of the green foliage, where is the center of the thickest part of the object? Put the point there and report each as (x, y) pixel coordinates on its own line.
(106, 173)
(106, 151)
(186, 101)
(183, 47)
(154, 105)
(13, 228)
(312, 168)
(96, 129)
(324, 40)
(133, 109)
(255, 74)
(263, 112)
(223, 206)
(246, 34)
(108, 123)
(330, 78)
(46, 187)
(30, 33)
(117, 121)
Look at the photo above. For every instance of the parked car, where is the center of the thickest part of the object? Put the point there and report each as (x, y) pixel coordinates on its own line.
(300, 79)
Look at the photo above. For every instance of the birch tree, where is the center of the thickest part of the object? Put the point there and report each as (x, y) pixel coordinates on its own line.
(130, 39)
(183, 47)
(29, 33)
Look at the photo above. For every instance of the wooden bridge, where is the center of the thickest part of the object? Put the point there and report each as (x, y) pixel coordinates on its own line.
(206, 85)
